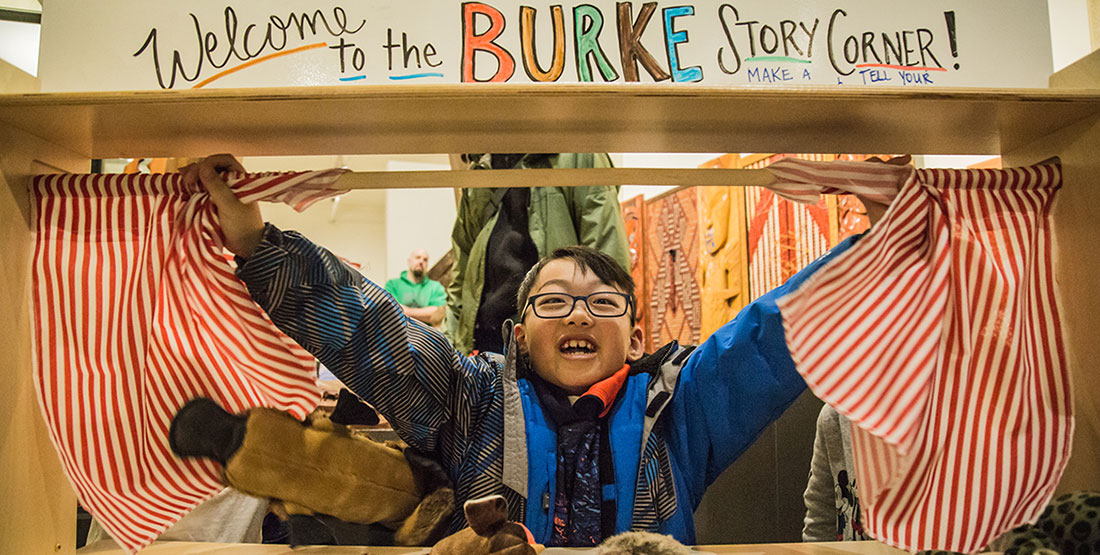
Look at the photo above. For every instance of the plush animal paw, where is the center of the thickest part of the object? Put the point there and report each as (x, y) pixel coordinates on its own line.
(642, 543)
(1069, 525)
(490, 532)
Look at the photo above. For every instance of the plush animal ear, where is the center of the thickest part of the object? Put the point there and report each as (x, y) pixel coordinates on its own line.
(486, 514)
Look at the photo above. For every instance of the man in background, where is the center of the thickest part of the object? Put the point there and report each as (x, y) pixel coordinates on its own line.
(421, 297)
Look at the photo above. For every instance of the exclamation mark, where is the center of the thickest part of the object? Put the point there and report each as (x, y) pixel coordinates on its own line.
(950, 17)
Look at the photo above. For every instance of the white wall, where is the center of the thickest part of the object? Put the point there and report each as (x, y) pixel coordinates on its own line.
(355, 225)
(655, 160)
(1069, 30)
(352, 226)
(19, 45)
(417, 218)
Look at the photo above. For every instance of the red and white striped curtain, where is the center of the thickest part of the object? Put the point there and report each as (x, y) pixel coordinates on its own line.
(136, 311)
(938, 335)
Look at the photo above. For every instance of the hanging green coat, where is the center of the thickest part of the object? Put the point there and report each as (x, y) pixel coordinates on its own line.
(557, 217)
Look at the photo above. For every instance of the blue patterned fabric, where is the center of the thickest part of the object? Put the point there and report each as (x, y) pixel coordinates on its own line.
(579, 501)
(452, 407)
(584, 468)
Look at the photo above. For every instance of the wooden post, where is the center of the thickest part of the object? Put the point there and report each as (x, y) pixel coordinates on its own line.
(39, 513)
(1077, 265)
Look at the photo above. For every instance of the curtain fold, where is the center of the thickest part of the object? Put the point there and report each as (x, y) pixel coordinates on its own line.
(136, 311)
(938, 335)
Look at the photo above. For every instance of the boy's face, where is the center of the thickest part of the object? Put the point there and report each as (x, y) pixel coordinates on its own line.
(580, 349)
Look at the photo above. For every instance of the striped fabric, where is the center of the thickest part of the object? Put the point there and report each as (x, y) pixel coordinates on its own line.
(136, 311)
(938, 334)
(805, 181)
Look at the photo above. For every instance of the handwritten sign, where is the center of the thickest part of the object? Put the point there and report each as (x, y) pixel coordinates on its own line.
(141, 45)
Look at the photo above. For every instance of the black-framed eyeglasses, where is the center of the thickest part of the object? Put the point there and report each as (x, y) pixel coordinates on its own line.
(605, 304)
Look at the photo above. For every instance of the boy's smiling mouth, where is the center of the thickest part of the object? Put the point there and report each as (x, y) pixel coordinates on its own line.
(575, 347)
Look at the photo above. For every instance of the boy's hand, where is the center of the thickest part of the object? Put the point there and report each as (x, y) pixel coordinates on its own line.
(241, 224)
(875, 210)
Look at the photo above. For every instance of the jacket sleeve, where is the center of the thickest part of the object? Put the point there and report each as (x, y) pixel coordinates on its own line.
(463, 235)
(737, 382)
(407, 371)
(820, 524)
(597, 216)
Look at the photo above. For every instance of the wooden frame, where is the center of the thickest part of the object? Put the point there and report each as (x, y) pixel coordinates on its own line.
(546, 118)
(60, 132)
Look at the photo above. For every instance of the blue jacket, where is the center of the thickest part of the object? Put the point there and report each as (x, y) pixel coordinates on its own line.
(681, 418)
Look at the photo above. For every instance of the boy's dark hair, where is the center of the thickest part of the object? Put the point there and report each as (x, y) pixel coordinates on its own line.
(606, 268)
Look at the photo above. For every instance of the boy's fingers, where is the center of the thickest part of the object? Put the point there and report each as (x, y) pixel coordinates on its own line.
(902, 160)
(188, 175)
(208, 172)
(223, 162)
(224, 198)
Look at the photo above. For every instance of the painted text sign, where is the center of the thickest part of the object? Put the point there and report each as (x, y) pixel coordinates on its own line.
(204, 43)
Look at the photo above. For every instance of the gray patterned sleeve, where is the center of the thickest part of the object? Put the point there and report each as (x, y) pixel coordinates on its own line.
(407, 371)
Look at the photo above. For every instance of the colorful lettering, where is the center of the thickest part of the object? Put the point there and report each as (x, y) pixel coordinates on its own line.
(588, 22)
(631, 50)
(472, 43)
(673, 38)
(527, 39)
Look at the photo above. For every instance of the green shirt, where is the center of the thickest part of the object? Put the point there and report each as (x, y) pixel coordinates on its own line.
(417, 295)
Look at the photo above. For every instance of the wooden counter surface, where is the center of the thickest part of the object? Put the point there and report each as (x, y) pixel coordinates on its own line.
(108, 547)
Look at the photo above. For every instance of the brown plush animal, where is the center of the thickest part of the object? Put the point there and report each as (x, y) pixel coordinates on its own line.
(490, 532)
(643, 543)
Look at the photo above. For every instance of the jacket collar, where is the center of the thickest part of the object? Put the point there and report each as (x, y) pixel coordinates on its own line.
(515, 427)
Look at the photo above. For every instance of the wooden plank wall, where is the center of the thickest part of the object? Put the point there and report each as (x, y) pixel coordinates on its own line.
(1077, 266)
(39, 512)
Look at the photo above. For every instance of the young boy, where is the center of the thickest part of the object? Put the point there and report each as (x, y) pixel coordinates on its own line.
(582, 433)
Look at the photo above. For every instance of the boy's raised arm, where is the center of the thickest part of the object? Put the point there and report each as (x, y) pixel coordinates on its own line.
(742, 378)
(407, 371)
(241, 223)
(738, 381)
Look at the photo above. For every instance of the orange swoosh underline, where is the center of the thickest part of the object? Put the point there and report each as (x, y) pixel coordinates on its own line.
(256, 61)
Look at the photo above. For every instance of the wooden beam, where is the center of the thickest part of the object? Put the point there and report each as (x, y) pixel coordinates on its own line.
(558, 177)
(591, 117)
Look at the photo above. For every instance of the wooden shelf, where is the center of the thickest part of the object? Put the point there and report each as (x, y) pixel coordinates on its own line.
(108, 547)
(545, 118)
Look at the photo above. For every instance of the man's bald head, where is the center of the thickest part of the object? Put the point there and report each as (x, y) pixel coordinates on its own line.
(418, 264)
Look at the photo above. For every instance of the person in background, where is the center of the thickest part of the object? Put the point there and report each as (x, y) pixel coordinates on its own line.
(228, 517)
(520, 225)
(420, 296)
(832, 497)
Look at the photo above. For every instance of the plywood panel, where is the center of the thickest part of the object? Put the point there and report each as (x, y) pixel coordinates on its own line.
(395, 119)
(758, 499)
(1077, 266)
(194, 548)
(39, 513)
(1077, 274)
(14, 80)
